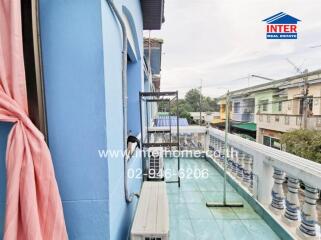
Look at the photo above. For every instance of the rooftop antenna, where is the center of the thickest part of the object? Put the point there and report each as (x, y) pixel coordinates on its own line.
(296, 68)
(225, 203)
(258, 76)
(305, 91)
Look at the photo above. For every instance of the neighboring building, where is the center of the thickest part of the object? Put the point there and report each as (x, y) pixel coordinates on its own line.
(82, 73)
(207, 117)
(153, 55)
(286, 110)
(267, 110)
(153, 62)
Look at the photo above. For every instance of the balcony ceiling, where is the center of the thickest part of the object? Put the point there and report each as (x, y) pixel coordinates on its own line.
(153, 14)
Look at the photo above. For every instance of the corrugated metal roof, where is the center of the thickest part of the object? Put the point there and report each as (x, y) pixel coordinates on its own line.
(153, 14)
(246, 126)
(165, 121)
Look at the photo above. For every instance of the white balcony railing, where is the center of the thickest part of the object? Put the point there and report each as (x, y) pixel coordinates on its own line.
(283, 122)
(271, 167)
(262, 171)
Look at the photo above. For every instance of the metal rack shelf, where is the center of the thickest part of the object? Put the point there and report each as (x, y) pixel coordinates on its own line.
(156, 98)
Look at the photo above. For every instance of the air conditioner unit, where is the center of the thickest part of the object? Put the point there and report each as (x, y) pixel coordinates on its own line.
(155, 164)
(151, 221)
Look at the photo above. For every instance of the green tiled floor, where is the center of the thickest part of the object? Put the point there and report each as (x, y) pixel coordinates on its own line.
(191, 219)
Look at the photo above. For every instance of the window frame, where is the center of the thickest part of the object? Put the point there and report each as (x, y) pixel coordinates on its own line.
(33, 64)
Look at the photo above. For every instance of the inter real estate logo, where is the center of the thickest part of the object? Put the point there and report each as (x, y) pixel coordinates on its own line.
(281, 26)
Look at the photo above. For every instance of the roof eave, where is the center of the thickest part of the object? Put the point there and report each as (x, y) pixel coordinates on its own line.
(153, 14)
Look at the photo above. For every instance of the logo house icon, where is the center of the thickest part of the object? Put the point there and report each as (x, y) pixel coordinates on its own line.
(281, 26)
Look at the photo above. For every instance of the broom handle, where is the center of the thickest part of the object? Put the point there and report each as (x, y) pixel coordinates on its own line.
(225, 139)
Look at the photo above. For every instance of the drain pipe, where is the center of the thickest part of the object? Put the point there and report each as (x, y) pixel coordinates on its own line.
(128, 197)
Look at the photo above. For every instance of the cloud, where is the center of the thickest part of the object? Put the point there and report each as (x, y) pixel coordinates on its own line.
(222, 42)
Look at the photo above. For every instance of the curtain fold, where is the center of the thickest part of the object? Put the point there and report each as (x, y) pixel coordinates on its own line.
(33, 205)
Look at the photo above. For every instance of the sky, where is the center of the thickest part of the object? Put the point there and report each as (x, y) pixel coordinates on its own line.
(220, 43)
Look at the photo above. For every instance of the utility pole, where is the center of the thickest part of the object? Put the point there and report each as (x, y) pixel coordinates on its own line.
(227, 113)
(200, 122)
(305, 99)
(305, 92)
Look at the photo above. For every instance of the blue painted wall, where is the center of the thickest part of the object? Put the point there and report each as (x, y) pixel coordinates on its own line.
(4, 131)
(76, 109)
(81, 47)
(121, 213)
(82, 62)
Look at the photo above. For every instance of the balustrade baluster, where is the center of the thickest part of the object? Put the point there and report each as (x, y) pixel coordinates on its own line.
(234, 161)
(277, 205)
(222, 152)
(240, 165)
(229, 157)
(247, 169)
(309, 217)
(292, 204)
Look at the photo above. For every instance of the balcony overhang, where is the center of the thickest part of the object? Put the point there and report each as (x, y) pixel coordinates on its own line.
(153, 14)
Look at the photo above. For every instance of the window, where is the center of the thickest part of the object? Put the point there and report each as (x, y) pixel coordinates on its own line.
(237, 106)
(264, 105)
(249, 105)
(277, 119)
(271, 142)
(286, 120)
(267, 141)
(33, 66)
(310, 104)
(280, 106)
(289, 105)
(301, 105)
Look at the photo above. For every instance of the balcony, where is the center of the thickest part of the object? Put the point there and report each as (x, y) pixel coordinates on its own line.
(284, 122)
(242, 117)
(280, 191)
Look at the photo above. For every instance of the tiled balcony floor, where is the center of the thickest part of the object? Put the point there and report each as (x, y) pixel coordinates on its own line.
(191, 219)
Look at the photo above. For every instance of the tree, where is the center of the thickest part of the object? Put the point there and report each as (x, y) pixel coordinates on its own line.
(304, 143)
(193, 97)
(184, 110)
(190, 103)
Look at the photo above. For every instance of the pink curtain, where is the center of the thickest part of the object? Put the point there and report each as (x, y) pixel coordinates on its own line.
(33, 205)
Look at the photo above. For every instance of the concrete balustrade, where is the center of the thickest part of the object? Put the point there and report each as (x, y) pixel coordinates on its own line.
(286, 208)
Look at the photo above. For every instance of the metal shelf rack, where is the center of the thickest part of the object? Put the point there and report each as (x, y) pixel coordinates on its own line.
(165, 98)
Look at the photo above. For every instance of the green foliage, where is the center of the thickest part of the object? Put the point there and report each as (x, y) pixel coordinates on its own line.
(191, 103)
(183, 110)
(193, 98)
(304, 143)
